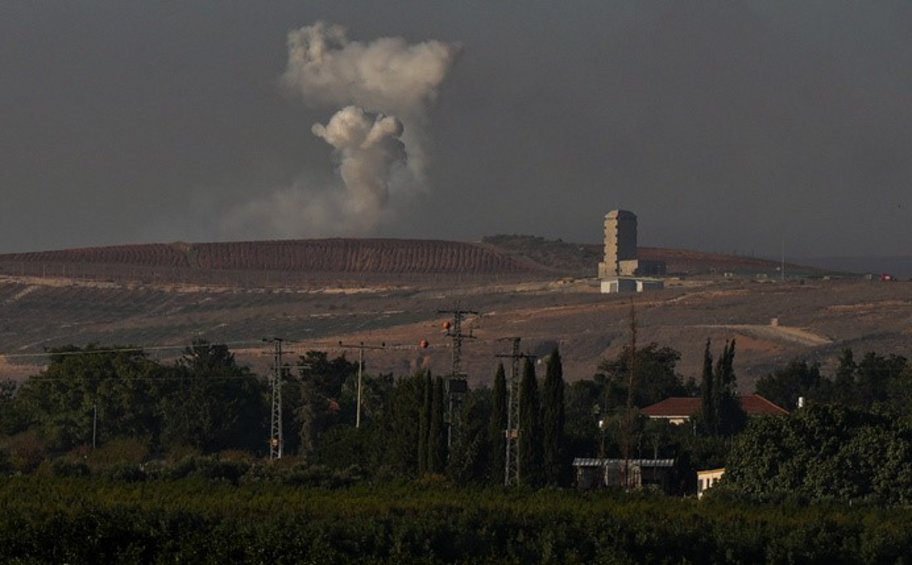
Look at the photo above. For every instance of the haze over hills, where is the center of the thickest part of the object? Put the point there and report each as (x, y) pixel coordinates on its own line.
(319, 292)
(897, 265)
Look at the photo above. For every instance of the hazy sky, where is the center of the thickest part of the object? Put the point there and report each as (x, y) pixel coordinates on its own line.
(724, 125)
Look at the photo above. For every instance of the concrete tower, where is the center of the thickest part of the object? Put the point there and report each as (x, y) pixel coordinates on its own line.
(620, 245)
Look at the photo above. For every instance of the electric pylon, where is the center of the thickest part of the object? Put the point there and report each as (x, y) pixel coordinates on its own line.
(511, 457)
(275, 434)
(456, 382)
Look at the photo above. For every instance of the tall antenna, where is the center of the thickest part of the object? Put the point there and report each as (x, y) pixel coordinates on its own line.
(275, 434)
(511, 457)
(361, 347)
(456, 382)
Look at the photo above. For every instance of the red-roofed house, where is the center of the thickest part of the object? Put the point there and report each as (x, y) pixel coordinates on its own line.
(679, 409)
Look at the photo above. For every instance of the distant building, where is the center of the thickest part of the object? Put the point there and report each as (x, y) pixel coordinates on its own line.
(620, 266)
(679, 409)
(706, 479)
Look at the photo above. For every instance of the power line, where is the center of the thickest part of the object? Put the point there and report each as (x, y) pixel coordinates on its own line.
(126, 349)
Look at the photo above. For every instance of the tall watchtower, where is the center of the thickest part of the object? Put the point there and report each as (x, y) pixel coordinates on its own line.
(620, 244)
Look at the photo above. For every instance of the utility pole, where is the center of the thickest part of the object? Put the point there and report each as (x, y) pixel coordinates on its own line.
(456, 385)
(511, 457)
(361, 347)
(631, 394)
(275, 435)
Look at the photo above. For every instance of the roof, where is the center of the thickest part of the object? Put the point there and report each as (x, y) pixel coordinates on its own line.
(687, 406)
(586, 462)
(674, 406)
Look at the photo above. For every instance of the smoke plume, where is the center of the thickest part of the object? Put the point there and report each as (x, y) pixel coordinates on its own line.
(379, 136)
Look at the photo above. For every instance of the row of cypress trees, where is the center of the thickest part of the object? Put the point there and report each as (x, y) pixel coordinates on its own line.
(721, 410)
(540, 453)
(541, 425)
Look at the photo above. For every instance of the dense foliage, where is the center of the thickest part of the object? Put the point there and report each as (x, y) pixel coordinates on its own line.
(824, 453)
(213, 521)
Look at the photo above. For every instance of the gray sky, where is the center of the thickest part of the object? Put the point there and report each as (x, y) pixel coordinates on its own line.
(726, 126)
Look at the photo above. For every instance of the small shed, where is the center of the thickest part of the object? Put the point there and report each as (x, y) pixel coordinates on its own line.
(624, 473)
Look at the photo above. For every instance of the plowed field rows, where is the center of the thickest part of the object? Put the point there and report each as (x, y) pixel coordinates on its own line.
(320, 255)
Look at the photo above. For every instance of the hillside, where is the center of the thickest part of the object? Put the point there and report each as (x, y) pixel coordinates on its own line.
(322, 291)
(257, 263)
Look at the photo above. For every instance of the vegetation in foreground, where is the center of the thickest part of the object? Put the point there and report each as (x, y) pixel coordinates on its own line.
(214, 521)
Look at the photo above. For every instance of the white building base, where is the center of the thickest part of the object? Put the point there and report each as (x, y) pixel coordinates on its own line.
(621, 285)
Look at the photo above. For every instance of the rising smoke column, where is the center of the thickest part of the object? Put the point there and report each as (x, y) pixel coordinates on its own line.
(368, 147)
(380, 93)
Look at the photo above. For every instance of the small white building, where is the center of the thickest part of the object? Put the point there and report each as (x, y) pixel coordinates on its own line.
(706, 479)
(625, 284)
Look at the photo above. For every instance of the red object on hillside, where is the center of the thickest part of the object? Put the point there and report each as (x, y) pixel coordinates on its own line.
(887, 277)
(683, 407)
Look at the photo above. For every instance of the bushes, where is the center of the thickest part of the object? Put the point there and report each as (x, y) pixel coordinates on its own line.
(79, 519)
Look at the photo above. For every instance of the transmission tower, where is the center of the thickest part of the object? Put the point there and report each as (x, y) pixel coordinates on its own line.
(456, 383)
(511, 457)
(275, 433)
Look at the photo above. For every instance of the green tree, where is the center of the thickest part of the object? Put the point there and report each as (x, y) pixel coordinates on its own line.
(498, 426)
(437, 432)
(731, 417)
(470, 457)
(822, 453)
(657, 377)
(708, 414)
(786, 385)
(318, 397)
(553, 417)
(212, 403)
(12, 418)
(403, 434)
(424, 425)
(530, 437)
(120, 382)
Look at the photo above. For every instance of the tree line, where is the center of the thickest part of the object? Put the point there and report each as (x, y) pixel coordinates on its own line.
(100, 403)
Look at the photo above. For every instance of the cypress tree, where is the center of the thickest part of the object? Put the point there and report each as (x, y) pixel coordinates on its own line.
(553, 420)
(708, 392)
(730, 414)
(437, 431)
(498, 426)
(530, 439)
(424, 422)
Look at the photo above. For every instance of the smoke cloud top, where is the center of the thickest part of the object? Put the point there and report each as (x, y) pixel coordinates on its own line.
(379, 137)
